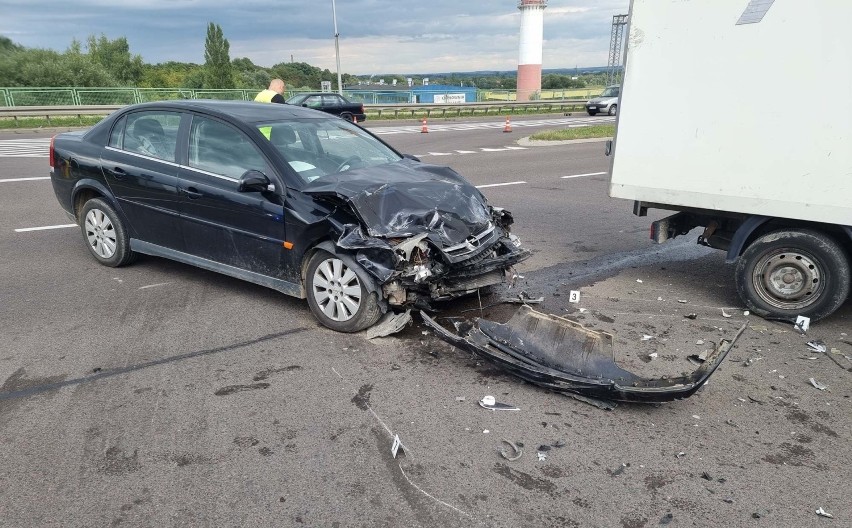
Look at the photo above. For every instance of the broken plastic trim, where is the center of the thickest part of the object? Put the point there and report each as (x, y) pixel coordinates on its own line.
(561, 355)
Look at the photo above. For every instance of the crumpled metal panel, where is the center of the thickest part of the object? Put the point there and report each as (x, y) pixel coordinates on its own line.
(562, 355)
(409, 198)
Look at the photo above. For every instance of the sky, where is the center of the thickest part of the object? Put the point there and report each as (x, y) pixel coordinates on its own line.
(376, 37)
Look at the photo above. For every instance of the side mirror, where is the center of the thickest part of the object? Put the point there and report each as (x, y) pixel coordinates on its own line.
(411, 157)
(255, 181)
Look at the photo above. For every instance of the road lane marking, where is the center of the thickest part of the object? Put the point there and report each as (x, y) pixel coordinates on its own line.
(584, 175)
(466, 151)
(500, 184)
(8, 180)
(25, 148)
(44, 228)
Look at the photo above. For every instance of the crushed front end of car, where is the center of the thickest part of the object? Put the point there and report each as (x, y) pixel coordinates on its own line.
(424, 233)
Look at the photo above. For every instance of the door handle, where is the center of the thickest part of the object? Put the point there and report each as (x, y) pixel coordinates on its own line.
(118, 173)
(192, 193)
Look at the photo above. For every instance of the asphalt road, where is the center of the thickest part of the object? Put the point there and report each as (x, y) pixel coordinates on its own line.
(163, 395)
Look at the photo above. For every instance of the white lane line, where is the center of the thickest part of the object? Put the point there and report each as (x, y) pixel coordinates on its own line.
(584, 175)
(44, 228)
(495, 150)
(466, 151)
(500, 184)
(24, 179)
(440, 153)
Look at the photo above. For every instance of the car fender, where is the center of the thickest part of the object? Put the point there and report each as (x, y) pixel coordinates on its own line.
(742, 235)
(330, 247)
(94, 185)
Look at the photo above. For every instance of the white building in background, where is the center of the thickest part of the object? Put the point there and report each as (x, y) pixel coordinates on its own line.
(532, 38)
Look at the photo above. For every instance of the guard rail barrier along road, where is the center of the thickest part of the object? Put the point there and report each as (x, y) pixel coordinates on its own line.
(375, 110)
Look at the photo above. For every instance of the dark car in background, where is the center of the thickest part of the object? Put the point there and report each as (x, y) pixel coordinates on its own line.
(330, 103)
(286, 197)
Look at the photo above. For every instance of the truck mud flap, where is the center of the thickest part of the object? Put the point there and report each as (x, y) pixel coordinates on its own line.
(561, 355)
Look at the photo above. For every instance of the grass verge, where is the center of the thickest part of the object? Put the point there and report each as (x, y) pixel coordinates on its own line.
(586, 132)
(40, 122)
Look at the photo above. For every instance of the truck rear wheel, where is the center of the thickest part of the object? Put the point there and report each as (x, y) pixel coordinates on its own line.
(793, 272)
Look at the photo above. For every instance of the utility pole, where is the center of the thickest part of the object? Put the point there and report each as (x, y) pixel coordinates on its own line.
(336, 47)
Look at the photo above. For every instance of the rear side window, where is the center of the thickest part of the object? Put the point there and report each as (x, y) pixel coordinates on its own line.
(116, 138)
(221, 149)
(152, 134)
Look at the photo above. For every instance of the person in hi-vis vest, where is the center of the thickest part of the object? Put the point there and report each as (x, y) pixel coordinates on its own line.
(273, 93)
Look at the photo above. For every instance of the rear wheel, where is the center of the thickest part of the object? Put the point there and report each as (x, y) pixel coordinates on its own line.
(104, 234)
(337, 294)
(592, 112)
(791, 273)
(347, 116)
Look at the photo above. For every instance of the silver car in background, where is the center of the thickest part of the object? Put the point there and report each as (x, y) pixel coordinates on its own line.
(605, 103)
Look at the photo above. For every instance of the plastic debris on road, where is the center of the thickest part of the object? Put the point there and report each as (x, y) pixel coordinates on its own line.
(725, 314)
(488, 402)
(823, 513)
(817, 346)
(563, 356)
(390, 324)
(517, 453)
(817, 385)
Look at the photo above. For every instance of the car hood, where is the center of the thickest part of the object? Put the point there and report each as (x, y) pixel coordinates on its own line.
(409, 198)
(603, 100)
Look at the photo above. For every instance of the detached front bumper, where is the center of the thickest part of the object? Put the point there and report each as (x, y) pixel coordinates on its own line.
(563, 356)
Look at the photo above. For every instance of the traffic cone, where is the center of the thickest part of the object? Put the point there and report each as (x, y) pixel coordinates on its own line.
(508, 127)
(424, 129)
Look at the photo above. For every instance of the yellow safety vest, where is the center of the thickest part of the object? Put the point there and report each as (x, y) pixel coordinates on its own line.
(265, 96)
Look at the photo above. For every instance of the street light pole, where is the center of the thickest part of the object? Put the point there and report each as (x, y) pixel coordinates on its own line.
(337, 47)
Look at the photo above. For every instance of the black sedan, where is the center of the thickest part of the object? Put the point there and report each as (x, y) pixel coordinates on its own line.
(330, 103)
(285, 197)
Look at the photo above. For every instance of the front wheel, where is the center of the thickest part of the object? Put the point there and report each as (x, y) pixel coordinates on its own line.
(790, 273)
(592, 112)
(612, 110)
(105, 235)
(338, 295)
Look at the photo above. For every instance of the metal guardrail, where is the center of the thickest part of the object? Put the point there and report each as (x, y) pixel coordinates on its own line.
(18, 112)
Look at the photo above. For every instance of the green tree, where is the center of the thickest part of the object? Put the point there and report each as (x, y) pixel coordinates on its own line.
(217, 60)
(115, 57)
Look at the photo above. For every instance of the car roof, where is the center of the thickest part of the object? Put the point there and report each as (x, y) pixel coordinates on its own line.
(247, 111)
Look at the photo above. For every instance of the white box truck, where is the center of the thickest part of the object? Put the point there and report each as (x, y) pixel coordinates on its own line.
(737, 114)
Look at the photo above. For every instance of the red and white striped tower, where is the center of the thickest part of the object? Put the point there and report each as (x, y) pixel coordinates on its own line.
(532, 35)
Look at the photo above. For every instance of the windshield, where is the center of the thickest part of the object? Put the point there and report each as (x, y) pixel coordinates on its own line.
(612, 91)
(318, 147)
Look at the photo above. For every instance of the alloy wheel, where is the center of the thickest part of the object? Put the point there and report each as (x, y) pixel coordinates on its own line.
(336, 290)
(100, 233)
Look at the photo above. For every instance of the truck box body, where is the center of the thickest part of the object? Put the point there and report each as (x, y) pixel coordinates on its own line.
(738, 106)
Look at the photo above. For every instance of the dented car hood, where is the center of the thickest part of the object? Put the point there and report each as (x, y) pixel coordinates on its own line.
(408, 198)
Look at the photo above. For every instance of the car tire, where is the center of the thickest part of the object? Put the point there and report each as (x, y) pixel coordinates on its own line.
(347, 116)
(789, 273)
(612, 110)
(338, 294)
(592, 112)
(104, 234)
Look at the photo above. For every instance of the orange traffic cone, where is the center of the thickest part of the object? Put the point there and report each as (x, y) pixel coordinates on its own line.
(424, 129)
(508, 127)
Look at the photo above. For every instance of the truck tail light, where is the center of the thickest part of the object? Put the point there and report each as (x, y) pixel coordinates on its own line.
(52, 139)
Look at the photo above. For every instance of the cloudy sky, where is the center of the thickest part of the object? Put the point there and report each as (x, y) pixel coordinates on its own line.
(402, 36)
